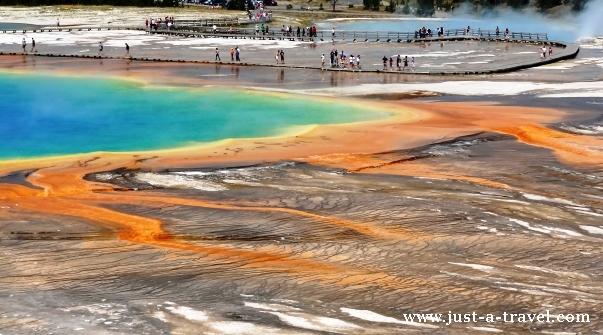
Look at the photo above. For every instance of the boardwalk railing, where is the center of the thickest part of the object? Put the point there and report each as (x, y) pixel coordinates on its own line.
(233, 21)
(205, 27)
(492, 33)
(389, 36)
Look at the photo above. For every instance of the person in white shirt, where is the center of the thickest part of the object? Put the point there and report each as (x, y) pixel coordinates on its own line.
(23, 44)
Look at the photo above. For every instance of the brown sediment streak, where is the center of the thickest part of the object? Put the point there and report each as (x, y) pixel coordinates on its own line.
(149, 231)
(406, 167)
(570, 147)
(12, 191)
(363, 228)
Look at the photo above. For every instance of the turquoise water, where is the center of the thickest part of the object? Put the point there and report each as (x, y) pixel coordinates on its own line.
(51, 115)
(10, 26)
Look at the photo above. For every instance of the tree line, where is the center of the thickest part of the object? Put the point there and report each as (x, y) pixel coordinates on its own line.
(427, 7)
(135, 3)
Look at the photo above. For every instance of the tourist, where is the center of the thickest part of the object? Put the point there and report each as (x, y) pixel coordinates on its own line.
(322, 61)
(298, 32)
(58, 23)
(398, 61)
(282, 57)
(507, 33)
(257, 29)
(232, 54)
(237, 54)
(497, 31)
(391, 64)
(23, 44)
(127, 51)
(358, 61)
(412, 63)
(277, 56)
(33, 46)
(550, 51)
(331, 59)
(352, 61)
(217, 55)
(384, 59)
(146, 24)
(263, 29)
(283, 31)
(333, 32)
(101, 51)
(214, 29)
(405, 63)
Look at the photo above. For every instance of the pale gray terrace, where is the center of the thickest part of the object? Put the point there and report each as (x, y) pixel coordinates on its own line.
(430, 56)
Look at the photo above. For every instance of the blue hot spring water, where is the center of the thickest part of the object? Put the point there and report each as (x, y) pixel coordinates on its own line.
(43, 115)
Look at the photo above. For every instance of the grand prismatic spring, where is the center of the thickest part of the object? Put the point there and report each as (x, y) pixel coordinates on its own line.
(198, 197)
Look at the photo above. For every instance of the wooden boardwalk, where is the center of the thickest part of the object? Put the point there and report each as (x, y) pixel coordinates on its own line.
(568, 50)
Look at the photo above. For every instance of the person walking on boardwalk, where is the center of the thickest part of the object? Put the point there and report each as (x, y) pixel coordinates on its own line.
(237, 54)
(217, 55)
(58, 23)
(412, 63)
(23, 45)
(257, 29)
(384, 59)
(127, 55)
(277, 56)
(358, 61)
(333, 32)
(33, 46)
(391, 64)
(232, 54)
(398, 61)
(101, 51)
(263, 29)
(550, 52)
(282, 57)
(322, 61)
(405, 64)
(497, 31)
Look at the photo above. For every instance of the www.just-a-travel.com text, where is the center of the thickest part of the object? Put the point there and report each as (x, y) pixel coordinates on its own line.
(505, 317)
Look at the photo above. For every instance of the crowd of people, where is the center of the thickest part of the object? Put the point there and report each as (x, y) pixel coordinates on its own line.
(260, 15)
(402, 64)
(287, 31)
(341, 60)
(153, 24)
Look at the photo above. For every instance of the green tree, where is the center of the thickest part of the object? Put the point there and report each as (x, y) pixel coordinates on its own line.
(236, 5)
(425, 7)
(517, 4)
(391, 7)
(578, 5)
(545, 5)
(371, 4)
